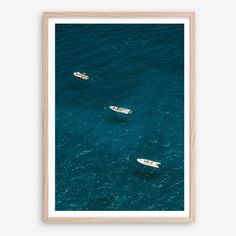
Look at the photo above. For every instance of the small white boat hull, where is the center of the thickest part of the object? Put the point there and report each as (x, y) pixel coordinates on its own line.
(81, 76)
(149, 163)
(121, 110)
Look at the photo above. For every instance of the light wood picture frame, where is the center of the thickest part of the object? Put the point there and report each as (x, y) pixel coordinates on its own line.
(103, 163)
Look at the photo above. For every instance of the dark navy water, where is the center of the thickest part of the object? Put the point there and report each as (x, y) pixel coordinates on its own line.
(140, 67)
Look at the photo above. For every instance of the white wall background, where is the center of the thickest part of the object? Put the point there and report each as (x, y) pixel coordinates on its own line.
(21, 117)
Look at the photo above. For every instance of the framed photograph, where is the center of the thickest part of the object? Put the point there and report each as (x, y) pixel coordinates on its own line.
(118, 117)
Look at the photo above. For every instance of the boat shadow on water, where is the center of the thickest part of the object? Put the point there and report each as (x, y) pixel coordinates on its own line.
(117, 120)
(146, 174)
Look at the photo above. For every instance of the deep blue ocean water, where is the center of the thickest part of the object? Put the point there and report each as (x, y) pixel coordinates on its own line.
(140, 67)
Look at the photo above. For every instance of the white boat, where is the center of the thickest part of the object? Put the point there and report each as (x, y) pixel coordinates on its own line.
(149, 163)
(81, 75)
(121, 110)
